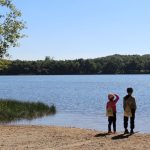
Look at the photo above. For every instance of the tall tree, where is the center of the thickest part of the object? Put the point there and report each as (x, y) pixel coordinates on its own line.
(11, 26)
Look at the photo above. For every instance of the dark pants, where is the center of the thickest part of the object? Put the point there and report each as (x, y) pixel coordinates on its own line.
(131, 121)
(112, 120)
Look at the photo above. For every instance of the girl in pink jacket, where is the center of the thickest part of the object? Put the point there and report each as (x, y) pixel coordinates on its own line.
(111, 111)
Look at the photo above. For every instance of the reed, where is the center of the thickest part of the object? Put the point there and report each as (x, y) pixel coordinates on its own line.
(11, 110)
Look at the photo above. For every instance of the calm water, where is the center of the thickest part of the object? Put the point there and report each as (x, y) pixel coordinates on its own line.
(80, 100)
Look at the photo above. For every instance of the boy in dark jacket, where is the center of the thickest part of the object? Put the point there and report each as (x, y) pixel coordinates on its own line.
(129, 105)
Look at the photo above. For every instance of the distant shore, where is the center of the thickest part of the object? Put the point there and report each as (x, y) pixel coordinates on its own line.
(113, 64)
(61, 138)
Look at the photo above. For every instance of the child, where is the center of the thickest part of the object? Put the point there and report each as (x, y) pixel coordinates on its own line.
(111, 111)
(129, 106)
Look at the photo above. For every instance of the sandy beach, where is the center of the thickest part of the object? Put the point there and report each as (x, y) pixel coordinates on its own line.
(61, 138)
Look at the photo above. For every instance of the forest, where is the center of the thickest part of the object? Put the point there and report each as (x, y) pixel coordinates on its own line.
(114, 64)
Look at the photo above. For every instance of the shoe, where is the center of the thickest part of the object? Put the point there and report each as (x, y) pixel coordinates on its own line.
(114, 132)
(109, 132)
(131, 132)
(126, 131)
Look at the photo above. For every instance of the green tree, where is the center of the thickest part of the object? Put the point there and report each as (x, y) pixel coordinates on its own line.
(48, 58)
(11, 26)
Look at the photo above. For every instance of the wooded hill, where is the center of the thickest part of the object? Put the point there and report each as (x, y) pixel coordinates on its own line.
(115, 64)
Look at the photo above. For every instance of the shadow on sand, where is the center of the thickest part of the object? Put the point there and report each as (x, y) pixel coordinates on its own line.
(117, 137)
(121, 136)
(101, 135)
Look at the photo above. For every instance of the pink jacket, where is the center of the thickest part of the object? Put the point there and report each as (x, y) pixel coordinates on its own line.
(112, 104)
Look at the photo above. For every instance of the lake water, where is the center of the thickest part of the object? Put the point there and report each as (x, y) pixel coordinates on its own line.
(80, 100)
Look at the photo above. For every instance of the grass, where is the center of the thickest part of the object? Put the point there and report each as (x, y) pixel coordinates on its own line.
(11, 110)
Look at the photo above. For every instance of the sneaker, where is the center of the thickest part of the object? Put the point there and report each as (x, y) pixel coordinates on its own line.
(109, 132)
(126, 131)
(131, 132)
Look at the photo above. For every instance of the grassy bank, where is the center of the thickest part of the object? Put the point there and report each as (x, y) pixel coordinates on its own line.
(11, 110)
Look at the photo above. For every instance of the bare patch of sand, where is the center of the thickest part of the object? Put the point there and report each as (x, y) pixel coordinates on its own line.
(60, 138)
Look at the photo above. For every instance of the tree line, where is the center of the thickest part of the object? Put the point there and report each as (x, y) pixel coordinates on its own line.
(115, 64)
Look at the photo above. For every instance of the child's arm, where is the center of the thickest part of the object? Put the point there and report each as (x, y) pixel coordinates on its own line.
(107, 106)
(124, 104)
(134, 104)
(117, 98)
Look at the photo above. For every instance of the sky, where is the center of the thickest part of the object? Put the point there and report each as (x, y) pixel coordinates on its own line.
(72, 29)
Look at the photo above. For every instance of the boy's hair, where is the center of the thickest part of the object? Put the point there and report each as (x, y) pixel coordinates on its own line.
(130, 90)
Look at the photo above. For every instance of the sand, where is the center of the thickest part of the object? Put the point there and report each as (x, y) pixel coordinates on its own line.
(60, 138)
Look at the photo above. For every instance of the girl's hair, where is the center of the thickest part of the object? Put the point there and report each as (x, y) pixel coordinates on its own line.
(111, 96)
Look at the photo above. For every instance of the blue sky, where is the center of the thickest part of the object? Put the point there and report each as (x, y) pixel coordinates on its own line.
(70, 29)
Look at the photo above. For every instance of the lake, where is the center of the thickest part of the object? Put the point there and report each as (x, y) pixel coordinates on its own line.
(80, 99)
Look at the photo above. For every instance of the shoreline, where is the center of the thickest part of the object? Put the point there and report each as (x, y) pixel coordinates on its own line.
(68, 138)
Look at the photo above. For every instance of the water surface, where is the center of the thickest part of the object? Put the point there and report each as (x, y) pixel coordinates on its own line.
(81, 99)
